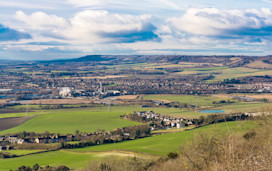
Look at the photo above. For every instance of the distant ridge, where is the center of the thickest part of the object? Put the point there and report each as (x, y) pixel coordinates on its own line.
(225, 60)
(88, 58)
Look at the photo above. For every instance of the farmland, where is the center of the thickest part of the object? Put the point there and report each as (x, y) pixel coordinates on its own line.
(158, 145)
(163, 144)
(56, 158)
(222, 73)
(207, 102)
(76, 107)
(104, 117)
(69, 121)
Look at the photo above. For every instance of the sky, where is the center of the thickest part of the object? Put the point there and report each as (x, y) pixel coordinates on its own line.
(57, 29)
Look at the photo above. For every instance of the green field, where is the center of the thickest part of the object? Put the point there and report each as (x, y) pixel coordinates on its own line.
(86, 119)
(56, 158)
(204, 101)
(158, 145)
(222, 73)
(68, 121)
(163, 144)
(23, 152)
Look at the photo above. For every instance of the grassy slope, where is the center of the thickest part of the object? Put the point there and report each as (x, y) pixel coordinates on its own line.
(23, 152)
(86, 119)
(64, 121)
(163, 144)
(70, 159)
(207, 102)
(202, 101)
(160, 145)
(224, 73)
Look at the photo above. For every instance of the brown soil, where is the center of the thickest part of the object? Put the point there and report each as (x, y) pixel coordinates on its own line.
(255, 96)
(3, 111)
(127, 97)
(60, 101)
(3, 101)
(7, 123)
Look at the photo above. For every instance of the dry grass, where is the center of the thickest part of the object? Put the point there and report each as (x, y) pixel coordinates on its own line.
(59, 101)
(255, 96)
(3, 101)
(249, 152)
(128, 97)
(259, 65)
(115, 163)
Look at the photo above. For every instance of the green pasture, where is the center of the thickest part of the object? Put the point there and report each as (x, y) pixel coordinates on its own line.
(205, 101)
(163, 144)
(85, 119)
(68, 121)
(23, 152)
(158, 145)
(56, 158)
(227, 73)
(244, 107)
(120, 109)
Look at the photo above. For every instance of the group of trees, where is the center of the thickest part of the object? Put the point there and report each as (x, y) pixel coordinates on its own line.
(117, 135)
(212, 119)
(36, 167)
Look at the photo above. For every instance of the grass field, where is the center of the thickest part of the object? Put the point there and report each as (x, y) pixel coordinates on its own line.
(207, 102)
(158, 145)
(56, 158)
(86, 119)
(163, 144)
(23, 152)
(226, 73)
(68, 121)
(204, 101)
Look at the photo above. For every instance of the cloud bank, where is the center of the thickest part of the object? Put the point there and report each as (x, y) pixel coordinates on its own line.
(8, 34)
(92, 26)
(105, 31)
(225, 24)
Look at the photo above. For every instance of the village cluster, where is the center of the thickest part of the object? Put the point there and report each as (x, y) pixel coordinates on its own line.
(158, 121)
(21, 140)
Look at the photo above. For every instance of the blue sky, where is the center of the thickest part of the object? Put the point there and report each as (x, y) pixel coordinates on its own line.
(50, 29)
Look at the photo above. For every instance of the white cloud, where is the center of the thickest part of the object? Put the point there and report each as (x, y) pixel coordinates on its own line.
(213, 21)
(88, 26)
(42, 21)
(26, 5)
(87, 3)
(167, 3)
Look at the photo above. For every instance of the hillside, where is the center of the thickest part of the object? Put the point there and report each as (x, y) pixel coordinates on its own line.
(230, 60)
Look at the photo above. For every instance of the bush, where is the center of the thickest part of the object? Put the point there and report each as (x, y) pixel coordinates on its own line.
(173, 155)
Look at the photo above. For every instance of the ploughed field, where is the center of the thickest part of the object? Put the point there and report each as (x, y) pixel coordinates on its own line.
(7, 123)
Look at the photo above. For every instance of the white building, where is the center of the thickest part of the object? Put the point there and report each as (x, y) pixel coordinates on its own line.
(65, 92)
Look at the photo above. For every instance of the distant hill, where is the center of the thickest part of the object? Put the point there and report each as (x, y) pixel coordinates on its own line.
(227, 60)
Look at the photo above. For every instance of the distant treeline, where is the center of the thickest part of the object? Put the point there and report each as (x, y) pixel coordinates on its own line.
(212, 119)
(117, 135)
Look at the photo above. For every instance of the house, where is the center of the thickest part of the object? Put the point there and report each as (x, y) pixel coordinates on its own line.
(178, 125)
(65, 92)
(20, 141)
(158, 103)
(37, 140)
(14, 140)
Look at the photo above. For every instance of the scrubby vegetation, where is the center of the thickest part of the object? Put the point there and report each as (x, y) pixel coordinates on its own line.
(210, 152)
(36, 167)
